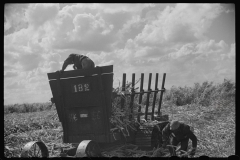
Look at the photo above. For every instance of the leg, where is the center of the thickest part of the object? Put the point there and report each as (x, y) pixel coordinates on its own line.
(155, 136)
(184, 145)
(174, 142)
(87, 63)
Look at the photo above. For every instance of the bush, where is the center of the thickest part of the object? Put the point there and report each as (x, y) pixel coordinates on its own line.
(27, 107)
(203, 94)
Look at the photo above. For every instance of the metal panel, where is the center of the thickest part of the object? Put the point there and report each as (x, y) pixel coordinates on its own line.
(154, 97)
(132, 95)
(148, 95)
(143, 137)
(140, 96)
(83, 102)
(161, 95)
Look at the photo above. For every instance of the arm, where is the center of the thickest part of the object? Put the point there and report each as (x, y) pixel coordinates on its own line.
(74, 67)
(166, 133)
(65, 64)
(193, 138)
(194, 142)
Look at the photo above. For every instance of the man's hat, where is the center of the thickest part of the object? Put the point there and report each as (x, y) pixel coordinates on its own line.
(174, 125)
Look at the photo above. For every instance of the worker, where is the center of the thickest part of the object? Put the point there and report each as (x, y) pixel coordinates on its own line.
(173, 133)
(180, 133)
(78, 61)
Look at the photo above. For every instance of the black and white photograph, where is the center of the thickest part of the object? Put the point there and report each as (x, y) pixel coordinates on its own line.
(119, 80)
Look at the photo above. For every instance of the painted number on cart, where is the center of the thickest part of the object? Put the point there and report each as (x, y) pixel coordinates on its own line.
(82, 87)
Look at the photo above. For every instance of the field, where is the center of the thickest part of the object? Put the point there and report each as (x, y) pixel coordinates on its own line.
(208, 107)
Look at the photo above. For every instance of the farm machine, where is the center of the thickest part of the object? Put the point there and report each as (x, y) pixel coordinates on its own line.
(83, 100)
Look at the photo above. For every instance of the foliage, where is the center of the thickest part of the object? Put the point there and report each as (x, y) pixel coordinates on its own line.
(26, 107)
(20, 128)
(203, 94)
(121, 113)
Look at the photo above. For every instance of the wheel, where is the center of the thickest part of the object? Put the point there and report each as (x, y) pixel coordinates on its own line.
(88, 148)
(35, 149)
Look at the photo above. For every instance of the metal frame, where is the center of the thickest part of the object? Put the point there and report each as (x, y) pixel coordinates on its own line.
(142, 92)
(100, 77)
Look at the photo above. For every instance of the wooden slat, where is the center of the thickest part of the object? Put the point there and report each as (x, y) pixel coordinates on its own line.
(161, 95)
(154, 97)
(123, 89)
(148, 95)
(80, 72)
(140, 96)
(132, 95)
(129, 94)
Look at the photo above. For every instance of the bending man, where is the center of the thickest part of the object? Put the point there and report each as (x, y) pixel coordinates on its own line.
(78, 61)
(179, 133)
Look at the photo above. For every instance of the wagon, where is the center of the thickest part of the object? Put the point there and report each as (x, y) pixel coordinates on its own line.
(83, 100)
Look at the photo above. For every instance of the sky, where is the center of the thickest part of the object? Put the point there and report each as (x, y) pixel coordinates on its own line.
(191, 43)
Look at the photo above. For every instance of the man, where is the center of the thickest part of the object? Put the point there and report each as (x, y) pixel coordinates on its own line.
(180, 133)
(78, 61)
(175, 132)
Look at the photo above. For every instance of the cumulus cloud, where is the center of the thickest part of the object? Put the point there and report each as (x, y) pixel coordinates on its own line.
(111, 62)
(186, 49)
(183, 23)
(10, 74)
(10, 58)
(38, 14)
(204, 47)
(232, 52)
(14, 19)
(211, 46)
(15, 85)
(86, 32)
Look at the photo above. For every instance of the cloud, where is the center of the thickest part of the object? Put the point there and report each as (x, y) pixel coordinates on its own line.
(50, 62)
(232, 52)
(211, 46)
(111, 62)
(38, 14)
(204, 47)
(10, 74)
(186, 49)
(118, 19)
(8, 67)
(130, 30)
(30, 61)
(14, 19)
(92, 27)
(135, 8)
(14, 86)
(22, 56)
(10, 58)
(183, 23)
(89, 33)
(85, 23)
(98, 57)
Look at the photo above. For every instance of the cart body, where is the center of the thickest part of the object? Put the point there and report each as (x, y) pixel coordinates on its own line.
(83, 102)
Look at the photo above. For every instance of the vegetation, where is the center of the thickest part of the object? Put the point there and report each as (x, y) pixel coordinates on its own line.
(208, 107)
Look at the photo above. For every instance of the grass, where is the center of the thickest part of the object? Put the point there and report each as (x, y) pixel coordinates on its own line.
(208, 107)
(20, 128)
